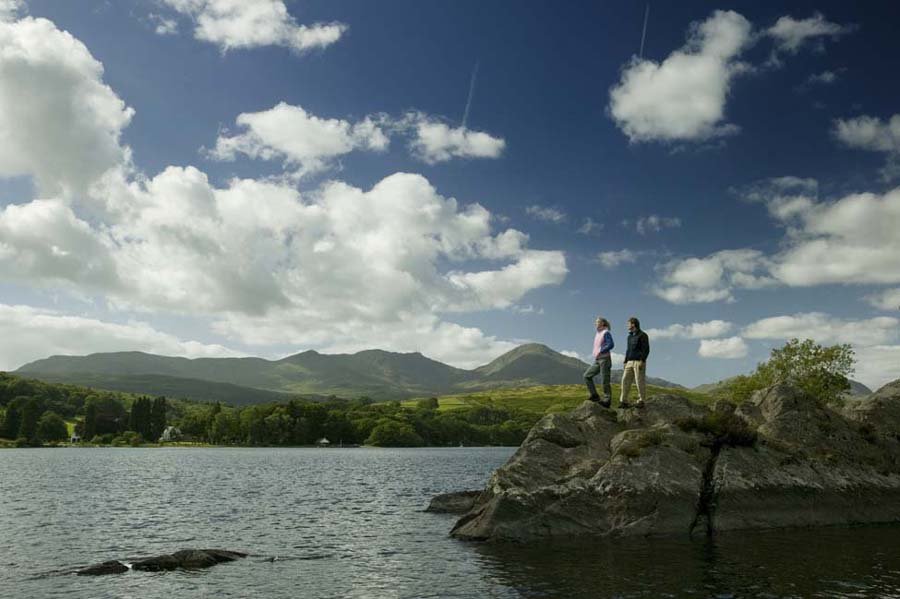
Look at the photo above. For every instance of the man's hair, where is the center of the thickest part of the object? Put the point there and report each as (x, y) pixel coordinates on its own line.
(637, 323)
(602, 322)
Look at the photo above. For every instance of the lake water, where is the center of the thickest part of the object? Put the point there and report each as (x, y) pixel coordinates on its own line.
(349, 523)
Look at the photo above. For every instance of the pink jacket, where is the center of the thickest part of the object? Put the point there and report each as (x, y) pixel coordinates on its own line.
(603, 344)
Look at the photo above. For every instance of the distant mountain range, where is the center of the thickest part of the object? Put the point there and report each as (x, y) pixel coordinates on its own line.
(374, 373)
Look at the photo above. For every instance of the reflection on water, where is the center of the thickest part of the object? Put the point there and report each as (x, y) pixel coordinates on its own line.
(349, 523)
(829, 562)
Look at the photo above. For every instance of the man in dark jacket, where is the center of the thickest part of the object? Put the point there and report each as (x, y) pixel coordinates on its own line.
(635, 363)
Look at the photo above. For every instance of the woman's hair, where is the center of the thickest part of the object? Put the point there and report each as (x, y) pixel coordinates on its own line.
(637, 323)
(602, 322)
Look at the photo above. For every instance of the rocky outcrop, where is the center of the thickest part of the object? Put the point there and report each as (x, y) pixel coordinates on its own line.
(186, 559)
(778, 460)
(458, 502)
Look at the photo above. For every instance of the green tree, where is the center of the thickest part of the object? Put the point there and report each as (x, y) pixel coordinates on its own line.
(430, 403)
(392, 433)
(107, 415)
(90, 421)
(13, 420)
(818, 371)
(31, 413)
(51, 427)
(139, 418)
(157, 418)
(225, 428)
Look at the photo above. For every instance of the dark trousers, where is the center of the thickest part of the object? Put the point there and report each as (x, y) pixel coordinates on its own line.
(602, 366)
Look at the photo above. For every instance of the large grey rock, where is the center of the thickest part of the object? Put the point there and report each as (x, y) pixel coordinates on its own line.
(677, 467)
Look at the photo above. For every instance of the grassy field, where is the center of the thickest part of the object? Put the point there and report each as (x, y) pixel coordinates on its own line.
(544, 399)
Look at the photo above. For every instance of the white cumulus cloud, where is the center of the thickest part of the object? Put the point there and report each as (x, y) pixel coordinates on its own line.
(434, 141)
(888, 300)
(730, 348)
(616, 258)
(826, 329)
(240, 24)
(696, 330)
(59, 122)
(712, 279)
(302, 140)
(337, 267)
(791, 34)
(875, 135)
(45, 243)
(548, 214)
(10, 9)
(852, 240)
(683, 97)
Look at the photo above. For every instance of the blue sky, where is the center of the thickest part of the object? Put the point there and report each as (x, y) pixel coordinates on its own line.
(212, 177)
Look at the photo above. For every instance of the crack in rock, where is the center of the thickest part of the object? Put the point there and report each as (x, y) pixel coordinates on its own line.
(706, 500)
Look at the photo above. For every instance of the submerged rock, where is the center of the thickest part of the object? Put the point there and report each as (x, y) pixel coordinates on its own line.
(186, 559)
(453, 503)
(110, 567)
(778, 460)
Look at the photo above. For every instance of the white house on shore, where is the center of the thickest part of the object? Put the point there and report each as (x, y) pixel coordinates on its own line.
(171, 433)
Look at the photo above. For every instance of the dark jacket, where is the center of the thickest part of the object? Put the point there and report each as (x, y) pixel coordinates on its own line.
(638, 346)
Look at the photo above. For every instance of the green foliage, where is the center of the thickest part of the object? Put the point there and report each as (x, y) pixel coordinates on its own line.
(31, 414)
(501, 417)
(429, 403)
(818, 371)
(158, 418)
(392, 433)
(52, 428)
(104, 414)
(90, 422)
(13, 419)
(128, 438)
(139, 419)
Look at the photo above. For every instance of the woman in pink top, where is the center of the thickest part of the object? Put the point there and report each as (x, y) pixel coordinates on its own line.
(603, 345)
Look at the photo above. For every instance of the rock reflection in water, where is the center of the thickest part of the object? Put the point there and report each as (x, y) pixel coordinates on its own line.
(826, 562)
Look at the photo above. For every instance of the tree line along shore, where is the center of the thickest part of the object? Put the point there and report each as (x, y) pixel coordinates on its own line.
(35, 413)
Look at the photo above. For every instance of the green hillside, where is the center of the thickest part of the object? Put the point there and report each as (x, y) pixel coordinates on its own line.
(194, 389)
(376, 374)
(545, 399)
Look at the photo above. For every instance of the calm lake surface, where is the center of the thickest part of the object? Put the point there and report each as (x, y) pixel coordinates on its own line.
(349, 523)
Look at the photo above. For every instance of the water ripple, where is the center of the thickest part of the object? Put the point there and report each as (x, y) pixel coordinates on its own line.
(350, 523)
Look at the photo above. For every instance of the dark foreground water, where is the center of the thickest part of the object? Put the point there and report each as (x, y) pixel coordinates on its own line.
(349, 523)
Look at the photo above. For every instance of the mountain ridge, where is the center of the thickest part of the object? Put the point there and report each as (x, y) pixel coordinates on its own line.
(375, 373)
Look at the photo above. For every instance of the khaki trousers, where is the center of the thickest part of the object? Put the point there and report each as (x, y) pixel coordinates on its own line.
(635, 370)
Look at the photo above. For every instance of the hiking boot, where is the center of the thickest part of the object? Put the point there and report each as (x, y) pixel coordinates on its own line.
(594, 398)
(640, 404)
(606, 403)
(624, 405)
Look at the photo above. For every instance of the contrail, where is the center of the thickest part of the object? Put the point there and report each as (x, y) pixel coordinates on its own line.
(471, 93)
(644, 32)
